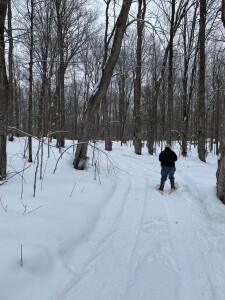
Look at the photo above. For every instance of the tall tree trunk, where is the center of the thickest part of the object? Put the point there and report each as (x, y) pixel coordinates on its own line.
(60, 77)
(185, 93)
(107, 137)
(223, 12)
(122, 99)
(124, 95)
(61, 106)
(43, 104)
(220, 174)
(101, 90)
(106, 128)
(153, 108)
(10, 62)
(217, 113)
(152, 105)
(170, 74)
(17, 121)
(30, 104)
(3, 92)
(40, 128)
(137, 79)
(201, 83)
(187, 97)
(75, 107)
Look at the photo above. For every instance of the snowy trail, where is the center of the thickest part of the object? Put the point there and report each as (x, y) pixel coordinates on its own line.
(147, 246)
(186, 229)
(106, 275)
(116, 238)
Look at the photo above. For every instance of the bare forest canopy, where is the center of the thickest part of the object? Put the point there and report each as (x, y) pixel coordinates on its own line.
(68, 41)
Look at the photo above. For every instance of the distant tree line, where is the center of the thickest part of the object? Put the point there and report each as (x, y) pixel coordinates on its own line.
(117, 70)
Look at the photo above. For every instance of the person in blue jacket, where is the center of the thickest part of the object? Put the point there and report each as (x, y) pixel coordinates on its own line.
(167, 158)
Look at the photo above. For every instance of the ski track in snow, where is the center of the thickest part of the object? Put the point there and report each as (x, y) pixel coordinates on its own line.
(189, 256)
(101, 277)
(138, 250)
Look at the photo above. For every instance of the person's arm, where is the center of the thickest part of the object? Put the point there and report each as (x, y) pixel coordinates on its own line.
(175, 156)
(160, 156)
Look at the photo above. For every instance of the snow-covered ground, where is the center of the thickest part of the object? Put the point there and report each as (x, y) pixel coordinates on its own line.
(114, 237)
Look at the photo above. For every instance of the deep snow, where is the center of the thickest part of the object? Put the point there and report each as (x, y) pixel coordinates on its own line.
(114, 237)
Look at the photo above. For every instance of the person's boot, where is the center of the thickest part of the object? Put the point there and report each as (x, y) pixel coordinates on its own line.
(172, 184)
(162, 183)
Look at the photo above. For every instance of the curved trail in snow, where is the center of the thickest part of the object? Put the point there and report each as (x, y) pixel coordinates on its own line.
(146, 246)
(106, 274)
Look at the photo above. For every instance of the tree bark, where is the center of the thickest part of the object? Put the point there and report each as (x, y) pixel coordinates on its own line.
(185, 94)
(10, 77)
(223, 12)
(137, 79)
(107, 137)
(220, 174)
(103, 85)
(30, 104)
(153, 103)
(44, 36)
(170, 86)
(3, 93)
(122, 110)
(188, 40)
(60, 76)
(201, 83)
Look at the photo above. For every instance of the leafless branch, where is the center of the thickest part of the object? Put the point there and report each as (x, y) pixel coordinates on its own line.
(14, 175)
(34, 209)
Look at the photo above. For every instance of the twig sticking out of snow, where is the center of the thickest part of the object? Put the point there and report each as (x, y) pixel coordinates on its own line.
(21, 255)
(4, 207)
(24, 206)
(25, 209)
(72, 189)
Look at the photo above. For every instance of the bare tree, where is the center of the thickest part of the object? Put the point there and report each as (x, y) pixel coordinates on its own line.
(31, 56)
(170, 78)
(201, 83)
(124, 81)
(10, 72)
(106, 124)
(174, 13)
(3, 92)
(101, 88)
(107, 137)
(190, 49)
(44, 44)
(220, 174)
(137, 80)
(74, 26)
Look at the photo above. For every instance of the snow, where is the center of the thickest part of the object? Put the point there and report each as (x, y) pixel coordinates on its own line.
(113, 238)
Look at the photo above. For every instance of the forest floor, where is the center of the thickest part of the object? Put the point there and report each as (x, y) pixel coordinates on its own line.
(113, 238)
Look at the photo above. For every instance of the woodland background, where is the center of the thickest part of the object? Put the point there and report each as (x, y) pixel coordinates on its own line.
(114, 70)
